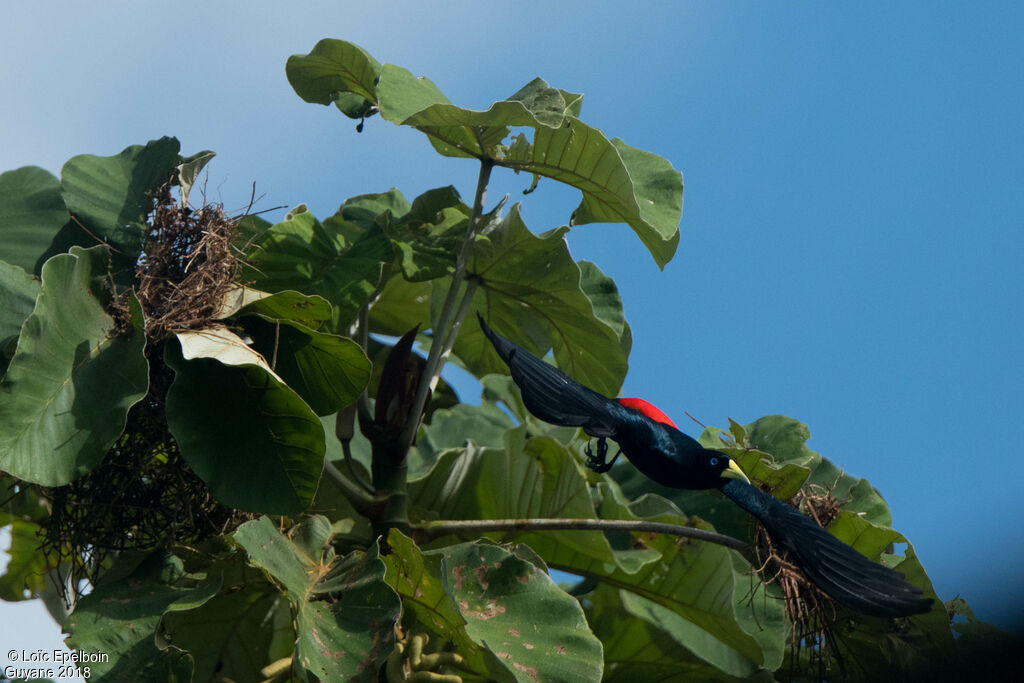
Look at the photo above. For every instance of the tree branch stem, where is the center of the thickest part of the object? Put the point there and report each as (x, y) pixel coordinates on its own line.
(431, 530)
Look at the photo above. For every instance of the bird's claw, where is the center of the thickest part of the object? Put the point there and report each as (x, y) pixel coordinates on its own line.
(599, 463)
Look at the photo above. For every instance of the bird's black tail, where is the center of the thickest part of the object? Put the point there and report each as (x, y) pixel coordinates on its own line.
(549, 393)
(836, 568)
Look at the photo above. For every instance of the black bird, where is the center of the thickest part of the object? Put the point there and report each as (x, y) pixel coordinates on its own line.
(651, 441)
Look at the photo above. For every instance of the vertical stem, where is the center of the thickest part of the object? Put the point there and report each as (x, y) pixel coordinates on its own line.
(460, 315)
(451, 316)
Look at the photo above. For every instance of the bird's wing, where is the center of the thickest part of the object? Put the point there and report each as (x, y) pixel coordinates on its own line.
(552, 395)
(830, 564)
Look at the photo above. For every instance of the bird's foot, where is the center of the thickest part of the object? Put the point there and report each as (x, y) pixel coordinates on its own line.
(599, 463)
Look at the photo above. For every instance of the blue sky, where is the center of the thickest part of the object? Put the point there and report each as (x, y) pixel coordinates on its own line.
(852, 224)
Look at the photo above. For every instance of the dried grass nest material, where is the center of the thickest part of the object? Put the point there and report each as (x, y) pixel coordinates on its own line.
(187, 266)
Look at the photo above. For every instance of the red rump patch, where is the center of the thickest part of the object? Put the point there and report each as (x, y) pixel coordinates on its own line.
(645, 408)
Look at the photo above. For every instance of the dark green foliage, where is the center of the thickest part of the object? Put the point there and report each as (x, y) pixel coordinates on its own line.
(253, 390)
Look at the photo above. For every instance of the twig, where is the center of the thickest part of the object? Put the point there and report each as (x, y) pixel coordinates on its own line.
(430, 530)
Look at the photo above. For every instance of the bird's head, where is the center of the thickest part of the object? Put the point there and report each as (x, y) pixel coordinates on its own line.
(720, 468)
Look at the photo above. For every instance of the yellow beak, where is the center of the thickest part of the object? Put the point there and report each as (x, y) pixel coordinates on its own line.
(734, 472)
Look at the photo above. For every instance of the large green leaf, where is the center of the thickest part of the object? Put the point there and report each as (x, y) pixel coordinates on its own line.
(363, 210)
(514, 608)
(333, 67)
(417, 579)
(604, 297)
(528, 478)
(309, 311)
(303, 254)
(119, 618)
(18, 292)
(401, 306)
(428, 238)
(345, 611)
(619, 183)
(229, 636)
(706, 584)
(111, 196)
(31, 213)
(67, 391)
(531, 291)
(407, 100)
(240, 428)
(452, 427)
(327, 371)
(645, 641)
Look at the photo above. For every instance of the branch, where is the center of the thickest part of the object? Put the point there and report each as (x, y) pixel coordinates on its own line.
(364, 502)
(449, 316)
(431, 530)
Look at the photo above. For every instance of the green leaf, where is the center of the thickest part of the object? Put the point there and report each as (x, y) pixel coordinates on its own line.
(26, 574)
(619, 183)
(400, 307)
(229, 636)
(302, 254)
(363, 210)
(452, 427)
(418, 581)
(327, 371)
(530, 291)
(645, 641)
(240, 428)
(534, 478)
(111, 196)
(309, 311)
(604, 297)
(706, 584)
(31, 213)
(18, 292)
(67, 391)
(345, 611)
(333, 67)
(513, 608)
(622, 184)
(120, 618)
(427, 239)
(410, 101)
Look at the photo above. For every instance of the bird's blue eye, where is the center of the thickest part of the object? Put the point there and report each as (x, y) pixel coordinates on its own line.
(714, 461)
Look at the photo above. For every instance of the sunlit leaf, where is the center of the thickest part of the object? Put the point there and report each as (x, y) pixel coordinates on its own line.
(249, 436)
(327, 371)
(111, 196)
(18, 292)
(31, 213)
(530, 291)
(75, 374)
